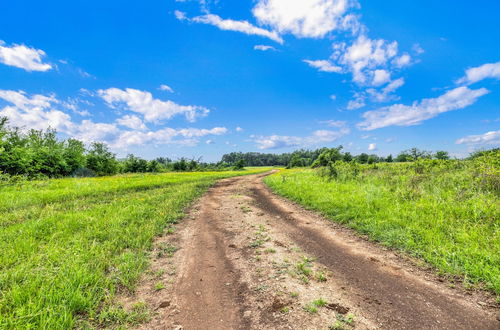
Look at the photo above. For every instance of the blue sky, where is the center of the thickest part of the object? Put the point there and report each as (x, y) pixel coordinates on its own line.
(203, 78)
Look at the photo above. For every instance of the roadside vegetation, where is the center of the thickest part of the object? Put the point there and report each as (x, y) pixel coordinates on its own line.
(443, 211)
(69, 245)
(38, 154)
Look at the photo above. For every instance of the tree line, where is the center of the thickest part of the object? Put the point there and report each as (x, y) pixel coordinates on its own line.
(39, 154)
(305, 158)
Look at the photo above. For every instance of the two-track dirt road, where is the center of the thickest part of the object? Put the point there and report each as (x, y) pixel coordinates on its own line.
(248, 259)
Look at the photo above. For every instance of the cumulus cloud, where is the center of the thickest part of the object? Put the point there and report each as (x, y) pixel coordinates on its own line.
(233, 25)
(372, 147)
(21, 56)
(39, 112)
(473, 75)
(239, 129)
(131, 121)
(324, 65)
(263, 47)
(305, 18)
(366, 58)
(402, 61)
(152, 109)
(188, 136)
(407, 115)
(34, 112)
(380, 77)
(488, 138)
(280, 141)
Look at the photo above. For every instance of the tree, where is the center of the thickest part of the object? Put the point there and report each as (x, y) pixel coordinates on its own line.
(74, 154)
(347, 157)
(443, 155)
(327, 156)
(295, 161)
(389, 159)
(153, 166)
(101, 160)
(362, 158)
(240, 164)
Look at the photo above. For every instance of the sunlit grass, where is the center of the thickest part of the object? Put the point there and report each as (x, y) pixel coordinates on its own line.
(68, 245)
(446, 213)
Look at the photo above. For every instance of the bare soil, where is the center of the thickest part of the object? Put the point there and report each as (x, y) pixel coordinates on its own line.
(249, 259)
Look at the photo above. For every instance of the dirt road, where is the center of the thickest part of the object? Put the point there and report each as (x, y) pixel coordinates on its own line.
(248, 259)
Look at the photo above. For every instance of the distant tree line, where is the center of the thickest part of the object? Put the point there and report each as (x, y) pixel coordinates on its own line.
(321, 156)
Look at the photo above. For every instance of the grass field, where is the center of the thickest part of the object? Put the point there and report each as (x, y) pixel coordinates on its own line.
(445, 212)
(68, 245)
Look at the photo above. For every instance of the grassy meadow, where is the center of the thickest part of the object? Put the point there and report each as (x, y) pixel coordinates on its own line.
(446, 212)
(68, 245)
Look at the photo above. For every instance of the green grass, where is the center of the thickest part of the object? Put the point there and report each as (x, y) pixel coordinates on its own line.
(69, 245)
(445, 212)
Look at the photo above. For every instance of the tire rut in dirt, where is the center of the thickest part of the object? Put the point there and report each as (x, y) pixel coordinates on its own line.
(392, 300)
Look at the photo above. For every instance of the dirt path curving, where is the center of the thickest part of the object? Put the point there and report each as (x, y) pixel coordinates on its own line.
(249, 259)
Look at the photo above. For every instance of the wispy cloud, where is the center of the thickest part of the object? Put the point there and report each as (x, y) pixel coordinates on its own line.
(282, 141)
(232, 25)
(263, 47)
(324, 65)
(488, 138)
(407, 115)
(476, 74)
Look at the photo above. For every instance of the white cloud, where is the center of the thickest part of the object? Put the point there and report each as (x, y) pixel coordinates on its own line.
(489, 138)
(324, 65)
(305, 18)
(166, 88)
(385, 94)
(37, 112)
(263, 47)
(407, 115)
(418, 49)
(34, 112)
(402, 61)
(180, 15)
(365, 57)
(473, 75)
(372, 147)
(188, 136)
(233, 25)
(88, 132)
(210, 141)
(356, 103)
(239, 129)
(152, 109)
(131, 121)
(380, 77)
(334, 123)
(21, 56)
(280, 141)
(333, 97)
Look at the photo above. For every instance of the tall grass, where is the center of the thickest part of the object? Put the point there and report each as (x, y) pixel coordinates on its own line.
(67, 246)
(445, 212)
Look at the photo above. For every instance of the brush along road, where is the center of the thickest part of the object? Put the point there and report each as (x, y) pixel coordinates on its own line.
(249, 259)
